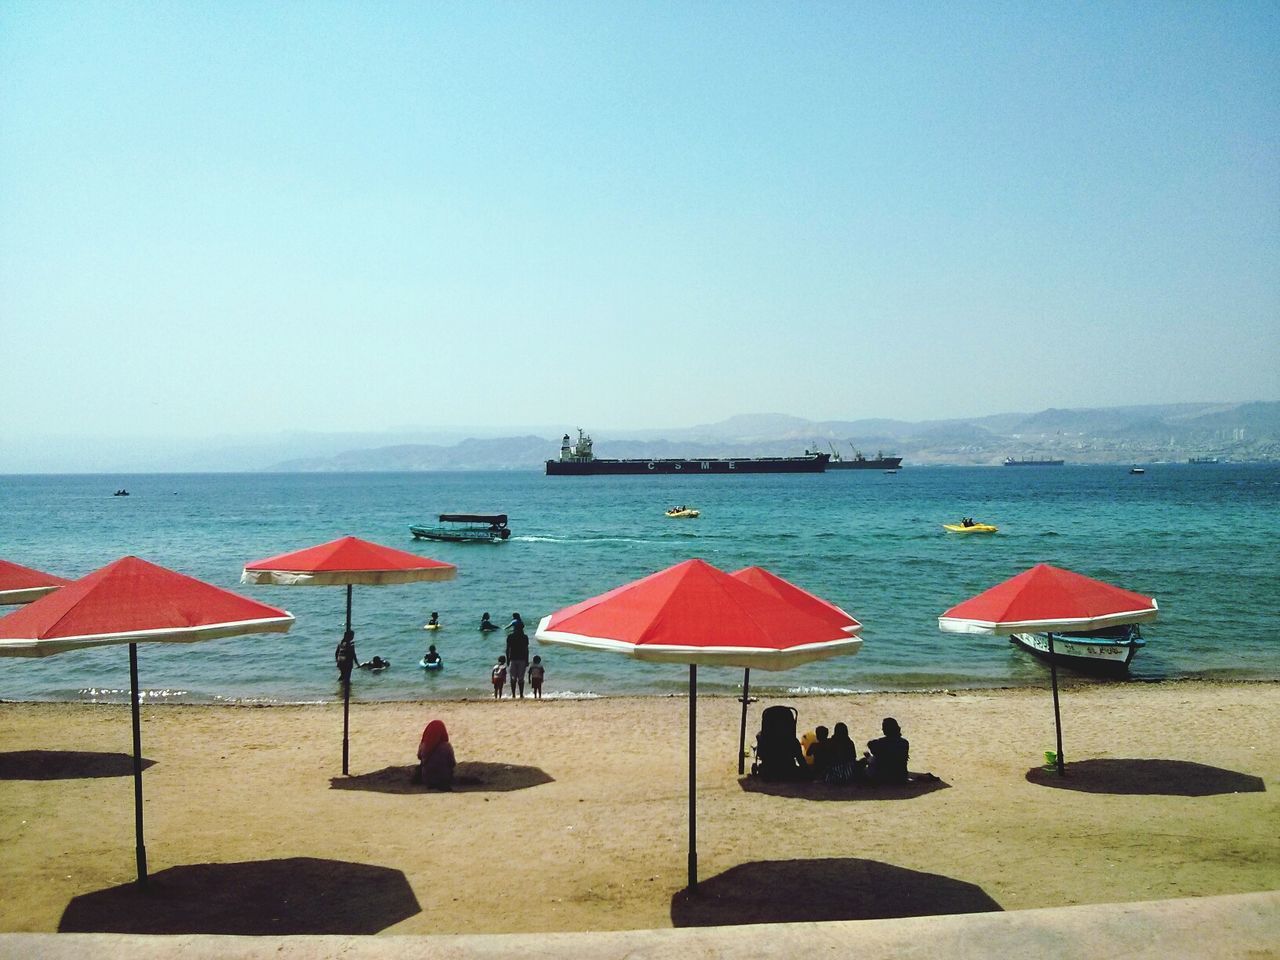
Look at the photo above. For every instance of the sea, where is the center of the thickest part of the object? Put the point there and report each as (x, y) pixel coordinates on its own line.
(1201, 538)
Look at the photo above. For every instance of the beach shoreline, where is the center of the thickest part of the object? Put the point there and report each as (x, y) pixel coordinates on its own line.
(573, 813)
(1066, 681)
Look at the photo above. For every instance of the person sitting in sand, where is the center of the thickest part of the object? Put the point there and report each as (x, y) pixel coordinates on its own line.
(817, 753)
(887, 756)
(499, 677)
(842, 757)
(486, 624)
(536, 672)
(436, 760)
(431, 658)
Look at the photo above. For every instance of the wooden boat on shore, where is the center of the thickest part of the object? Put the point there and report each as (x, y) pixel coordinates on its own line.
(1106, 650)
(466, 528)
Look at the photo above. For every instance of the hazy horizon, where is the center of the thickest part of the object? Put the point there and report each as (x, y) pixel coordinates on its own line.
(237, 220)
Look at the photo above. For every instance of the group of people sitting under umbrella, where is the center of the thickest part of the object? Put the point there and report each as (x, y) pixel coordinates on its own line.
(830, 756)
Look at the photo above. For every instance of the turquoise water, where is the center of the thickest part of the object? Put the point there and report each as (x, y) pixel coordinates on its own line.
(1201, 539)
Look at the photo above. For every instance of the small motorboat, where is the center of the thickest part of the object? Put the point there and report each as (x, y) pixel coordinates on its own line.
(466, 528)
(971, 528)
(1136, 470)
(683, 513)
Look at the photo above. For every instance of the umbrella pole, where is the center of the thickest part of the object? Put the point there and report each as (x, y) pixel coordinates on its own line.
(1057, 717)
(346, 697)
(742, 729)
(693, 777)
(140, 848)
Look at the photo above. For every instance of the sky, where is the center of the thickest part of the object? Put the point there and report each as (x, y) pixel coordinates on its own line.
(239, 218)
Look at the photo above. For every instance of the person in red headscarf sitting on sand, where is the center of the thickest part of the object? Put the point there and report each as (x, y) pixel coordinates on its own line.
(435, 757)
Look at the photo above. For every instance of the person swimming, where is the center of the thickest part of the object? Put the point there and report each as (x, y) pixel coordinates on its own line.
(486, 623)
(377, 663)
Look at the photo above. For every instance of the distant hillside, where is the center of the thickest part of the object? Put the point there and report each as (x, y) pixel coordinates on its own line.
(1241, 431)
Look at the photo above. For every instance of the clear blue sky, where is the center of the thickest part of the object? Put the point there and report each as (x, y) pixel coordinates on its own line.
(246, 217)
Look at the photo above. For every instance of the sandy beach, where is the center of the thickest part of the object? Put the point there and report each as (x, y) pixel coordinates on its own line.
(572, 815)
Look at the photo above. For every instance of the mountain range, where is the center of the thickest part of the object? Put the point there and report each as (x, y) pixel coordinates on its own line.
(1173, 432)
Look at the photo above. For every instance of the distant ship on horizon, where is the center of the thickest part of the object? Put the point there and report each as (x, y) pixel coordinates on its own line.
(859, 462)
(578, 459)
(1010, 462)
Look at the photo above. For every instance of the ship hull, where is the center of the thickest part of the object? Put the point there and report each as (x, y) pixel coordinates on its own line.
(880, 463)
(1034, 463)
(816, 463)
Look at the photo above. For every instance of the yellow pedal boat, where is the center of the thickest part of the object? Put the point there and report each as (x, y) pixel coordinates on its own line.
(687, 513)
(972, 528)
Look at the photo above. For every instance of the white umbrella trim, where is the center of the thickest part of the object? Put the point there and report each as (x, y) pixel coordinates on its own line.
(728, 656)
(25, 595)
(369, 578)
(958, 625)
(36, 647)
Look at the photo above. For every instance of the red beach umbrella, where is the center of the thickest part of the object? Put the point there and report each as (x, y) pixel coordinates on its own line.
(344, 562)
(801, 599)
(132, 601)
(1048, 599)
(19, 584)
(694, 613)
(798, 597)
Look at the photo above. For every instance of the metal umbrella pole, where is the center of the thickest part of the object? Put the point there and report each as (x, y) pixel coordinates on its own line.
(346, 695)
(140, 847)
(693, 778)
(1057, 717)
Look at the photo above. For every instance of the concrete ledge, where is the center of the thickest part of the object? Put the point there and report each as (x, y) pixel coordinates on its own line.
(1237, 926)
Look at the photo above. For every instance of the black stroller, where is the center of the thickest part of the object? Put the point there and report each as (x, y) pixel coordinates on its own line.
(777, 752)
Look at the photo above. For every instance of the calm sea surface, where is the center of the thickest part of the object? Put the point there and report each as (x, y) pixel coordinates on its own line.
(1202, 539)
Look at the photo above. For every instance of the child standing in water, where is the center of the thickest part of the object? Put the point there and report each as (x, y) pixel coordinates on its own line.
(536, 673)
(499, 677)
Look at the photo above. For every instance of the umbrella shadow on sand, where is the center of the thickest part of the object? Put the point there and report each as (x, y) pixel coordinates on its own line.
(849, 792)
(300, 895)
(66, 765)
(801, 891)
(470, 777)
(1168, 778)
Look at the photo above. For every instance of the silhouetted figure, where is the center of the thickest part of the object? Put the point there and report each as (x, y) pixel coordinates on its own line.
(344, 655)
(887, 755)
(517, 658)
(842, 757)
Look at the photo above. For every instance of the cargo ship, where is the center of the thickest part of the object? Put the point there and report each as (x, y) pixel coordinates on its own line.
(577, 460)
(1010, 462)
(859, 462)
